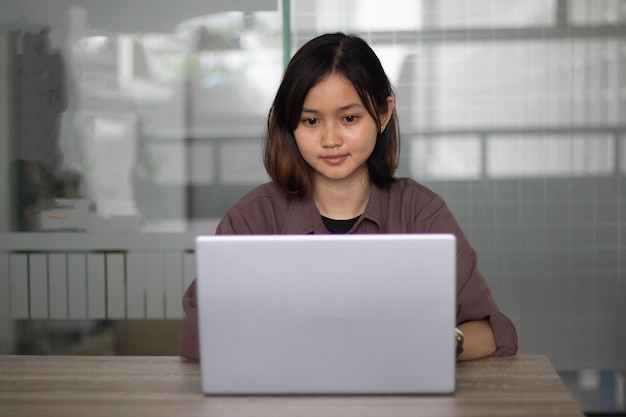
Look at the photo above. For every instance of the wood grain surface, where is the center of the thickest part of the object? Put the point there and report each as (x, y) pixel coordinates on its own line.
(169, 386)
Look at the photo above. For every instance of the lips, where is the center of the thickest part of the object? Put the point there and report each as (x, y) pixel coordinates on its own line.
(334, 159)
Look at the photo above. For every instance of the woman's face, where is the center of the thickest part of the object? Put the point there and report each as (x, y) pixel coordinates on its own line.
(336, 134)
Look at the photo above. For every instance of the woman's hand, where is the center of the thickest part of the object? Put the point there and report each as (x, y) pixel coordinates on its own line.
(478, 340)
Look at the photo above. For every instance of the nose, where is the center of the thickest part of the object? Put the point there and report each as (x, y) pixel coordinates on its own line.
(331, 137)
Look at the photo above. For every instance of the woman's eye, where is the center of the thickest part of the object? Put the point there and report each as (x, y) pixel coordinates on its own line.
(350, 119)
(309, 121)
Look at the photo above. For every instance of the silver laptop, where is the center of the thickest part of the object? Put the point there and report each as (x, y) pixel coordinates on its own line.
(327, 314)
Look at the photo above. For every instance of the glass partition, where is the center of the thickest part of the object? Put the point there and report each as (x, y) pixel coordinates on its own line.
(515, 112)
(123, 124)
(144, 121)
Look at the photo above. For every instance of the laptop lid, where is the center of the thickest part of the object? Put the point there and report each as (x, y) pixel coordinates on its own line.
(327, 314)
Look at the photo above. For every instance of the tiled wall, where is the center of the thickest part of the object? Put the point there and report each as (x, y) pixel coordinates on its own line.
(551, 249)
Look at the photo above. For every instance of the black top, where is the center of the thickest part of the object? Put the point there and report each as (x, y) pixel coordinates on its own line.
(339, 226)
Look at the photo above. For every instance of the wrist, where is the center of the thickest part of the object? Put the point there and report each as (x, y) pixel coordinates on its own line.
(459, 338)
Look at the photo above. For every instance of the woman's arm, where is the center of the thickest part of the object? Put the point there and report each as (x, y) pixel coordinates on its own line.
(479, 340)
(476, 310)
(189, 339)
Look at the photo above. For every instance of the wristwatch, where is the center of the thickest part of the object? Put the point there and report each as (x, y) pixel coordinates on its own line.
(458, 336)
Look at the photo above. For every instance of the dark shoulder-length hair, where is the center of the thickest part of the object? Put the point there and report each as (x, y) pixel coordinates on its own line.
(351, 57)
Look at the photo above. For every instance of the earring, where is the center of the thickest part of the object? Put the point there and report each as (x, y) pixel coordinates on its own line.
(382, 128)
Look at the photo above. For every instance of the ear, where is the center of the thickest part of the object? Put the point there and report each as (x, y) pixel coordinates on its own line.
(385, 118)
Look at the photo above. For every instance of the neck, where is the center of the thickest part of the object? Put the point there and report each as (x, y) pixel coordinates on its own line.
(342, 201)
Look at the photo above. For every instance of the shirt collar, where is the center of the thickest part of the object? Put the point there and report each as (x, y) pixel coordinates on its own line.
(305, 218)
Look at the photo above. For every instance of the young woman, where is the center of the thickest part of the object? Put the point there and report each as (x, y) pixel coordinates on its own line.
(331, 151)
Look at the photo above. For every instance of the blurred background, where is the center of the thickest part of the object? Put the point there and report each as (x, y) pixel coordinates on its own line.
(129, 127)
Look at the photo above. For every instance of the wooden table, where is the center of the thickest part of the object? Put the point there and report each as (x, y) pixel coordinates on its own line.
(169, 386)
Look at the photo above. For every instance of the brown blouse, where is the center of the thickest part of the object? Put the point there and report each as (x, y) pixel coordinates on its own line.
(405, 207)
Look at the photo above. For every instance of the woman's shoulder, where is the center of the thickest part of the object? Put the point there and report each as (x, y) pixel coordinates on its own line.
(407, 187)
(421, 205)
(260, 211)
(262, 195)
(416, 198)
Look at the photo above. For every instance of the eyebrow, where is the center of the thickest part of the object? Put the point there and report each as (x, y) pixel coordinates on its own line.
(342, 108)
